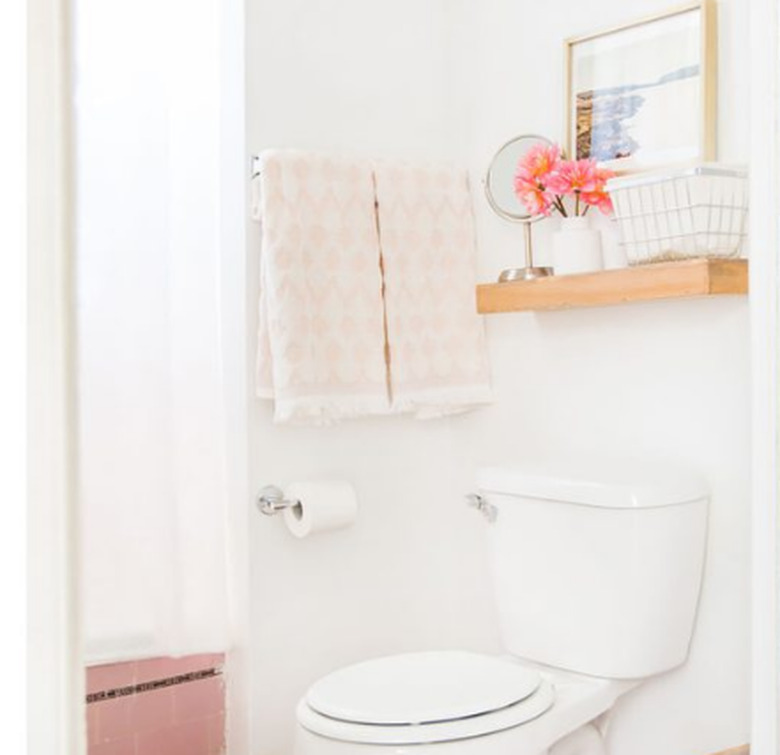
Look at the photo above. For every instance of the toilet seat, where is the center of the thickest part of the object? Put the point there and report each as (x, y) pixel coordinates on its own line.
(423, 698)
(421, 688)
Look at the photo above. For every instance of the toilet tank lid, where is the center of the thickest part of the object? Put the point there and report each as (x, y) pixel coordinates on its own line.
(617, 484)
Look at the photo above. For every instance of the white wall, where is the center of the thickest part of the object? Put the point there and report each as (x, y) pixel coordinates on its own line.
(235, 357)
(765, 352)
(656, 380)
(367, 78)
(454, 80)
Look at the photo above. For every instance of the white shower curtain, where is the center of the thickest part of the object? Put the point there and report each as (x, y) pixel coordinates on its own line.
(152, 438)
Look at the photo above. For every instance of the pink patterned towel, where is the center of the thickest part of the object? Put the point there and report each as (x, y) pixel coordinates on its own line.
(438, 359)
(321, 353)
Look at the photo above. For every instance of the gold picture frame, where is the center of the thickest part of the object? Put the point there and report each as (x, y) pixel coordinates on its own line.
(628, 123)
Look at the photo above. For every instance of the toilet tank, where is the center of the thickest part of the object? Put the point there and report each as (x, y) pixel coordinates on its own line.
(597, 571)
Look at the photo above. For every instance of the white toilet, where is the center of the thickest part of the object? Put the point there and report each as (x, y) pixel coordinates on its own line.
(597, 578)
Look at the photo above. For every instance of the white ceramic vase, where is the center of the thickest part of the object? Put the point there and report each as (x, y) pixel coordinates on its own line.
(577, 247)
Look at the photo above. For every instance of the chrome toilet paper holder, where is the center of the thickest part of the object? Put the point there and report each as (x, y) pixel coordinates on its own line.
(271, 501)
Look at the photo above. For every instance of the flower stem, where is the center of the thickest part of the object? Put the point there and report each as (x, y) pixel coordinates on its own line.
(577, 204)
(558, 202)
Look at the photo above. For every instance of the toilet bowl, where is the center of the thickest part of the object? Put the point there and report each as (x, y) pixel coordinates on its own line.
(596, 576)
(450, 703)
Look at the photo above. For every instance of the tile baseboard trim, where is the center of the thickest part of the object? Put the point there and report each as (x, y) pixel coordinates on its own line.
(136, 689)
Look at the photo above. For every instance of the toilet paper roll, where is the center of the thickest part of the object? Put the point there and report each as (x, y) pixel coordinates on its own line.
(324, 507)
(584, 741)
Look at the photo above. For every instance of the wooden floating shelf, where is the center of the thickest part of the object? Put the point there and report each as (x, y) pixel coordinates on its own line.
(668, 280)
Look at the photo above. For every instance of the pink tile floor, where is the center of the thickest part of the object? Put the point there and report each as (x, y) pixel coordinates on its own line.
(181, 719)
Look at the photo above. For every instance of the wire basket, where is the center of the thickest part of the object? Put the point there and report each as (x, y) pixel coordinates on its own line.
(695, 212)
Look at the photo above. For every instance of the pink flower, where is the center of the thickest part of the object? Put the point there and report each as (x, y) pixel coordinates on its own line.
(574, 176)
(599, 199)
(531, 193)
(543, 180)
(602, 176)
(525, 183)
(539, 162)
(533, 196)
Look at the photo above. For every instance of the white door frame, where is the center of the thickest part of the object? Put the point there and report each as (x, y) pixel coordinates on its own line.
(55, 686)
(765, 335)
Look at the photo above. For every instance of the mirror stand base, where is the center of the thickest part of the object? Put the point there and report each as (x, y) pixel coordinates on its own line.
(524, 274)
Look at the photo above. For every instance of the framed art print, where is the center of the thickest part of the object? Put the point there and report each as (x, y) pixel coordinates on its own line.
(642, 95)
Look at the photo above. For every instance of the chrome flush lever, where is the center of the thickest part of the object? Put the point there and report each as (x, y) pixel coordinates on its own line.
(489, 511)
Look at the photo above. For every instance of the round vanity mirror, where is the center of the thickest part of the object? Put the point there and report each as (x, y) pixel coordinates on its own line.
(500, 191)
